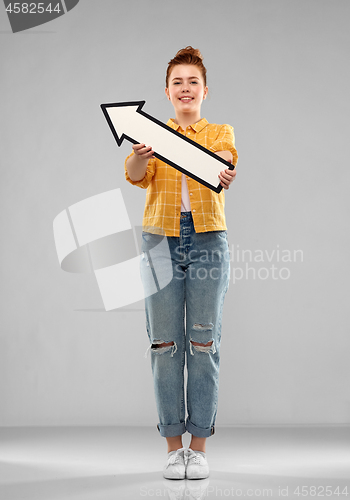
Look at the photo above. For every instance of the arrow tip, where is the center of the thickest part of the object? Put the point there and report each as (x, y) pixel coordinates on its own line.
(116, 114)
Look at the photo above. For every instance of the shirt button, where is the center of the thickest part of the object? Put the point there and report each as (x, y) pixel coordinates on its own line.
(190, 194)
(194, 210)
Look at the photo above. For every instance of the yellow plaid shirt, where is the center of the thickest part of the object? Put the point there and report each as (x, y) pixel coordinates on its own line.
(163, 183)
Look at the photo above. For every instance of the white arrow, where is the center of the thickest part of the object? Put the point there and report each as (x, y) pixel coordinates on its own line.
(128, 121)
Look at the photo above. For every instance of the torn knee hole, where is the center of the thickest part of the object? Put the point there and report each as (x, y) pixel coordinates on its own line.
(163, 344)
(209, 347)
(203, 327)
(159, 347)
(204, 345)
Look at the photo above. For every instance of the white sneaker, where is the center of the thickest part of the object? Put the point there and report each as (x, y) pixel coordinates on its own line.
(197, 466)
(175, 466)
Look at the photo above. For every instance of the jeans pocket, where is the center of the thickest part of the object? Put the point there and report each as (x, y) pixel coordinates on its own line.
(222, 235)
(146, 236)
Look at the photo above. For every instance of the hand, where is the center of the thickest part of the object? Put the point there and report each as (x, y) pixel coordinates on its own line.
(142, 151)
(226, 177)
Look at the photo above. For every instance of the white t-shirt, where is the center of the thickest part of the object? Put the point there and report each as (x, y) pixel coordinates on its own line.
(185, 197)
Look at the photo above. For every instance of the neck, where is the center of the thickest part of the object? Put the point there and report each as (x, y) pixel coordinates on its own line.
(186, 119)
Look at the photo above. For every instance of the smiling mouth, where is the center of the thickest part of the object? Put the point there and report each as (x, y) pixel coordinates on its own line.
(186, 99)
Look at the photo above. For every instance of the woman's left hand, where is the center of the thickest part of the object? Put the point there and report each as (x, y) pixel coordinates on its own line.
(226, 177)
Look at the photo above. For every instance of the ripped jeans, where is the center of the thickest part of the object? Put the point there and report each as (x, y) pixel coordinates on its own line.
(185, 317)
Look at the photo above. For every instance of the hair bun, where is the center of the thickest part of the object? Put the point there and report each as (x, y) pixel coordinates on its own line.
(191, 51)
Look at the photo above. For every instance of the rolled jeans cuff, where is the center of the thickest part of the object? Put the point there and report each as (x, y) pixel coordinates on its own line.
(172, 430)
(198, 431)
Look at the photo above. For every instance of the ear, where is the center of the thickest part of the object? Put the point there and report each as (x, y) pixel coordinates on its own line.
(167, 93)
(205, 92)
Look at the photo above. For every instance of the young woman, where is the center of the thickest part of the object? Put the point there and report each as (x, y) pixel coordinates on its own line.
(185, 315)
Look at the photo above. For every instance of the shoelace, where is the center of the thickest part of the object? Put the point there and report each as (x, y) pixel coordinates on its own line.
(192, 455)
(175, 457)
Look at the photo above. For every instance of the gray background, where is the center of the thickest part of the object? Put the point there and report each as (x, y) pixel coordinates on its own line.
(278, 72)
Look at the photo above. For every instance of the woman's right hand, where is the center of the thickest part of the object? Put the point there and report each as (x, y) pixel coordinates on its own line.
(143, 152)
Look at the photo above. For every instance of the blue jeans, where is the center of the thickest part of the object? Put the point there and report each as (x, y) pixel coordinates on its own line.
(183, 314)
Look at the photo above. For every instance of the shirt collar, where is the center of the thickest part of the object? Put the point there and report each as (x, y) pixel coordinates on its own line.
(197, 127)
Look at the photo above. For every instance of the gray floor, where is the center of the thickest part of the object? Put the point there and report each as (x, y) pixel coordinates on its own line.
(117, 462)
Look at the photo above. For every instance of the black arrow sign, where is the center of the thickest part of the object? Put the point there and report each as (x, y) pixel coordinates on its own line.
(127, 121)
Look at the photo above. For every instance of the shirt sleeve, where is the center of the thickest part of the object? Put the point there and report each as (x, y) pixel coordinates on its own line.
(225, 141)
(150, 171)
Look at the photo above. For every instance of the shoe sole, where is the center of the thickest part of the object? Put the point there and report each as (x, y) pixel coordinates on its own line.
(176, 478)
(202, 477)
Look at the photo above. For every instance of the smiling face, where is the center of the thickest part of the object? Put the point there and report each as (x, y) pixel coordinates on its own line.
(186, 90)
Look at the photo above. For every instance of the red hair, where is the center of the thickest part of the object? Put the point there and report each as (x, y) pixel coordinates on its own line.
(188, 55)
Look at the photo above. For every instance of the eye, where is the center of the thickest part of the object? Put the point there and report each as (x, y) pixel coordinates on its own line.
(194, 82)
(176, 83)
